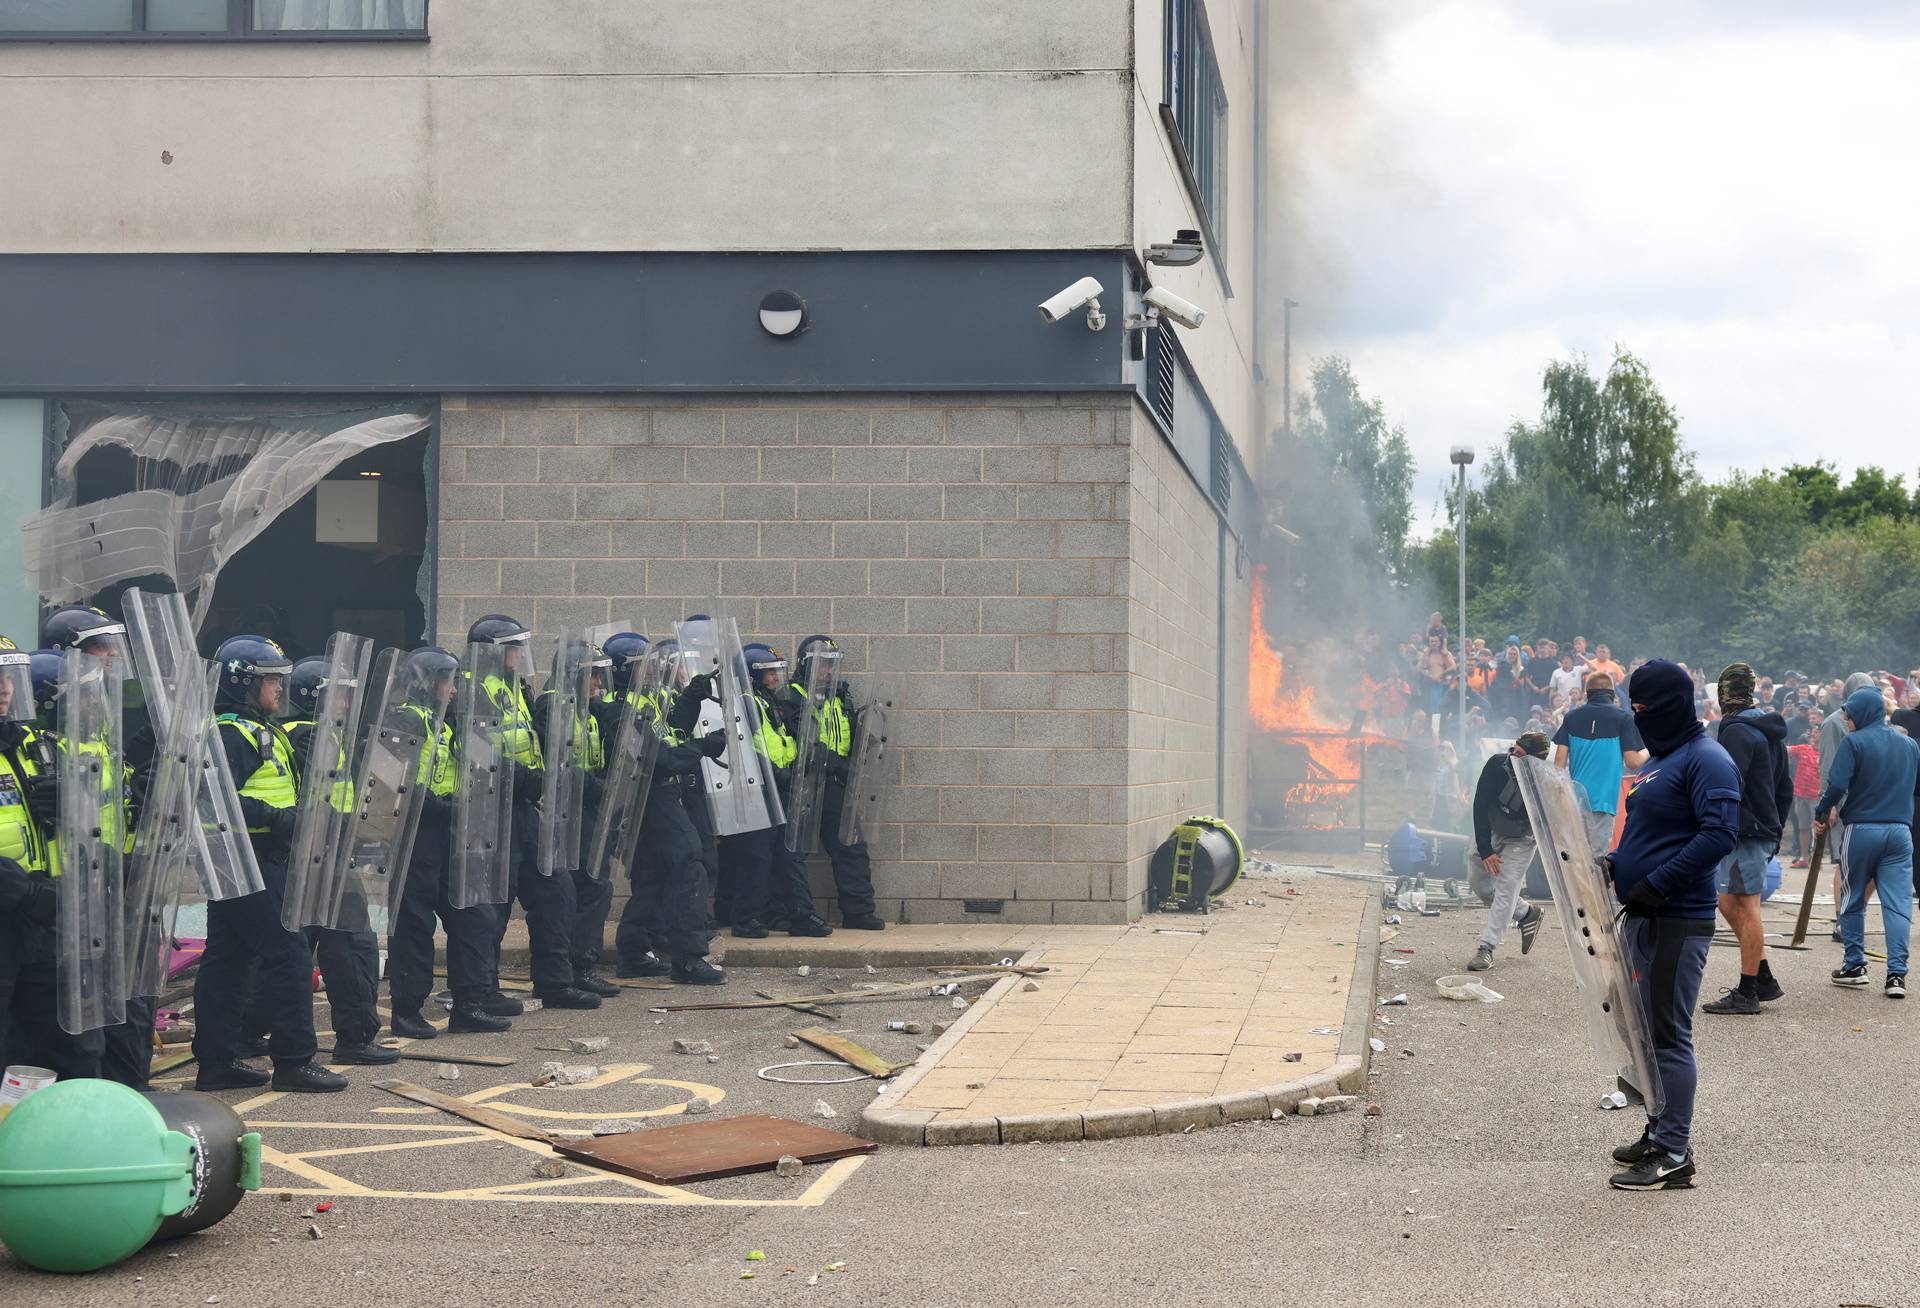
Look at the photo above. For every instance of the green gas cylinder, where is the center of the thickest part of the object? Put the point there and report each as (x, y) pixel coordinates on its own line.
(88, 1171)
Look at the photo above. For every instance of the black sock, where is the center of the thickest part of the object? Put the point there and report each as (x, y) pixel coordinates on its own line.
(1750, 986)
(1766, 970)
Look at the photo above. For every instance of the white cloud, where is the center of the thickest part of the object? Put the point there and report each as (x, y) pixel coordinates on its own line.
(1735, 205)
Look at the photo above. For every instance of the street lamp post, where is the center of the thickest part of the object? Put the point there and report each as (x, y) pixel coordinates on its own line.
(1462, 455)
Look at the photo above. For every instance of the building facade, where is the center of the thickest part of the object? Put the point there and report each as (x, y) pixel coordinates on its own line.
(564, 240)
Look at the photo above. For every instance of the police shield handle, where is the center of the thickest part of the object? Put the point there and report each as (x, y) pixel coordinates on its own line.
(1799, 940)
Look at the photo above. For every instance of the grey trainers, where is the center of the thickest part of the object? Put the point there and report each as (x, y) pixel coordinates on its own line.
(1530, 927)
(1482, 960)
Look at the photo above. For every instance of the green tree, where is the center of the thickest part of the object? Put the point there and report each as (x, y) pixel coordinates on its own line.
(1348, 434)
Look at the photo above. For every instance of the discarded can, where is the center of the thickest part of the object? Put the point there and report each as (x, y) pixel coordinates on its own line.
(911, 1028)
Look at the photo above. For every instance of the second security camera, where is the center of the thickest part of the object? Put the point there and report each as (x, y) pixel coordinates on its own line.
(1083, 293)
(1184, 312)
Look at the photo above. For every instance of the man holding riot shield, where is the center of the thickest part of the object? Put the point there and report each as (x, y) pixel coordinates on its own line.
(548, 900)
(574, 749)
(655, 841)
(818, 702)
(34, 913)
(246, 934)
(426, 692)
(769, 889)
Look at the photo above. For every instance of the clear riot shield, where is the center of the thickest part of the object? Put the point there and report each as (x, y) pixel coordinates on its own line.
(89, 921)
(178, 687)
(740, 784)
(1602, 970)
(483, 801)
(317, 859)
(631, 756)
(388, 798)
(871, 761)
(564, 755)
(807, 794)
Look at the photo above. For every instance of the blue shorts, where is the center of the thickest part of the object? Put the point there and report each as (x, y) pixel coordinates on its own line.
(1744, 871)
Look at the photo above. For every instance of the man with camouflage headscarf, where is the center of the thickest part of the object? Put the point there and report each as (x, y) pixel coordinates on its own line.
(1755, 739)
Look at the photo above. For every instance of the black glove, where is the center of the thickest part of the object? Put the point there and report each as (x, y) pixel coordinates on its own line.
(280, 824)
(844, 693)
(28, 894)
(1644, 900)
(436, 810)
(700, 688)
(528, 785)
(43, 799)
(713, 745)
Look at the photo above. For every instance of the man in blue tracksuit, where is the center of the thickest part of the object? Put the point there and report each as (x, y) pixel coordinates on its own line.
(1683, 817)
(1874, 767)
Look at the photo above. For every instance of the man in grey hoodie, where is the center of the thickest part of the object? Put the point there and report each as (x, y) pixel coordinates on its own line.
(1874, 769)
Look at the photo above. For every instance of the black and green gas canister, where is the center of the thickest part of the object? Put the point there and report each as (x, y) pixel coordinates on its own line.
(1201, 859)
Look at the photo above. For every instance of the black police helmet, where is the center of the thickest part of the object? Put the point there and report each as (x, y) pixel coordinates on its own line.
(73, 626)
(498, 629)
(243, 661)
(424, 671)
(304, 684)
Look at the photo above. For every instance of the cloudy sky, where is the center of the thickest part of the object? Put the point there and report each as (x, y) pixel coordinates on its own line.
(1728, 189)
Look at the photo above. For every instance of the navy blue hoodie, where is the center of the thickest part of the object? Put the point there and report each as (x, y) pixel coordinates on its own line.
(1873, 766)
(1683, 813)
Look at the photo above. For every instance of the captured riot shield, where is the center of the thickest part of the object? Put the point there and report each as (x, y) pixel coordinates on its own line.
(740, 783)
(631, 756)
(1602, 970)
(483, 800)
(387, 795)
(872, 760)
(89, 920)
(564, 748)
(178, 687)
(317, 859)
(812, 756)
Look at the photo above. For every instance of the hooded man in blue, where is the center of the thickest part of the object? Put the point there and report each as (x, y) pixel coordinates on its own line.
(1683, 817)
(1874, 768)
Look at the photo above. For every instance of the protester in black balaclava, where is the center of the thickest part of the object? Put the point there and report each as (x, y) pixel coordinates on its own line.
(1683, 817)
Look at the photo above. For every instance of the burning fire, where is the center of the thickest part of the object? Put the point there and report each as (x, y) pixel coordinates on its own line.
(1274, 704)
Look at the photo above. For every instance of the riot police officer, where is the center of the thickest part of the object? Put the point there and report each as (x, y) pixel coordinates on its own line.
(592, 897)
(666, 908)
(30, 1031)
(244, 934)
(429, 681)
(768, 883)
(548, 900)
(349, 960)
(833, 724)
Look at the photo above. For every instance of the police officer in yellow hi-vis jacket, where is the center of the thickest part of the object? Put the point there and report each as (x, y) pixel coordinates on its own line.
(30, 1030)
(244, 934)
(852, 871)
(548, 900)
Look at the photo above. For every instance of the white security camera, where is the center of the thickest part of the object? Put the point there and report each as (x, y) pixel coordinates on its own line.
(1185, 313)
(1083, 293)
(1185, 250)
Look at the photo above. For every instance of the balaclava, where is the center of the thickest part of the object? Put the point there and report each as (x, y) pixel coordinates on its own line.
(1736, 688)
(1667, 721)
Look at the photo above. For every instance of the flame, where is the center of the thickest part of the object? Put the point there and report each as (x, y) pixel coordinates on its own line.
(1271, 702)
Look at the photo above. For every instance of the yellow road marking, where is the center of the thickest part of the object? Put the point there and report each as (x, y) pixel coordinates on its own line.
(392, 1146)
(289, 1164)
(813, 1197)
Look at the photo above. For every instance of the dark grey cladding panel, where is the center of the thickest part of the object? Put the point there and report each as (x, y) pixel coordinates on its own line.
(549, 322)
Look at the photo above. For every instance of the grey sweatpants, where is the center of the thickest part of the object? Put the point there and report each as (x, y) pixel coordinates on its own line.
(1516, 856)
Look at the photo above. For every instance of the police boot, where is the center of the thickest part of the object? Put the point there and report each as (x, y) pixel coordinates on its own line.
(254, 1048)
(651, 965)
(307, 1078)
(863, 922)
(475, 1019)
(697, 972)
(594, 983)
(569, 997)
(413, 1026)
(366, 1055)
(501, 1005)
(749, 930)
(810, 925)
(229, 1076)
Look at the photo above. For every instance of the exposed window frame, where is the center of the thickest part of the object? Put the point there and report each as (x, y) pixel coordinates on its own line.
(240, 29)
(1213, 224)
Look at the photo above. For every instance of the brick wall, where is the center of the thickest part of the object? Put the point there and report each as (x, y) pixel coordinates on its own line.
(1038, 569)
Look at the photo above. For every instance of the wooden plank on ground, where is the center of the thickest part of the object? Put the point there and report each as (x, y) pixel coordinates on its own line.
(841, 997)
(478, 1114)
(848, 1052)
(801, 1006)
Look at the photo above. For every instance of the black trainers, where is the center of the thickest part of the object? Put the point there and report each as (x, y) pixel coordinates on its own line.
(1530, 927)
(749, 930)
(307, 1078)
(367, 1055)
(413, 1026)
(1656, 1171)
(595, 984)
(1850, 976)
(1482, 960)
(1732, 1000)
(651, 965)
(232, 1076)
(474, 1019)
(1769, 988)
(698, 972)
(502, 1005)
(567, 998)
(1639, 1149)
(810, 925)
(1896, 985)
(863, 922)
(1837, 937)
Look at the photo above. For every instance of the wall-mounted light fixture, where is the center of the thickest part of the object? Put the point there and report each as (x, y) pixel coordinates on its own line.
(782, 313)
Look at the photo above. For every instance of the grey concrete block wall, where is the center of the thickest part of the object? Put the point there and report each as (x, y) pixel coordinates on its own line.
(1037, 570)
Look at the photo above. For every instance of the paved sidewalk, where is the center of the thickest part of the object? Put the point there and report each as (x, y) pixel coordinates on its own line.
(1154, 1027)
